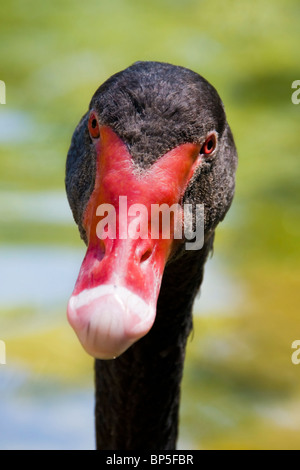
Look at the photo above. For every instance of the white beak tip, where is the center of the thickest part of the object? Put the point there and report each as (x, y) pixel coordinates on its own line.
(109, 319)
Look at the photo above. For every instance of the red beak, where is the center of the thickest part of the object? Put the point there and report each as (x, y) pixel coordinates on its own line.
(114, 300)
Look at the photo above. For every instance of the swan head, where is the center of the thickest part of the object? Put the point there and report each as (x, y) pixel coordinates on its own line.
(150, 168)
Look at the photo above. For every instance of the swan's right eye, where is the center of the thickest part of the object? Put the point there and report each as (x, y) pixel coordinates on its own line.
(209, 145)
(93, 126)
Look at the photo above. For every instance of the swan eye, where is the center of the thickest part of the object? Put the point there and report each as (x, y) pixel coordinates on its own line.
(93, 125)
(209, 145)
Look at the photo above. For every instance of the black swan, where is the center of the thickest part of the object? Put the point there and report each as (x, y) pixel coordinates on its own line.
(154, 134)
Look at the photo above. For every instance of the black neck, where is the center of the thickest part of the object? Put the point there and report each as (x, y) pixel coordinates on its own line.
(138, 394)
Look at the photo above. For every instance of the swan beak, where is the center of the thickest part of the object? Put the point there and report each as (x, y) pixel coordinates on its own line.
(108, 319)
(114, 301)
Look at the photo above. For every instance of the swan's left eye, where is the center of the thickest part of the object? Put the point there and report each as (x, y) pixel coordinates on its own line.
(209, 145)
(94, 129)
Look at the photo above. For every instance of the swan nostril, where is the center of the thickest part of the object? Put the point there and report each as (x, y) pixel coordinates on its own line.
(146, 255)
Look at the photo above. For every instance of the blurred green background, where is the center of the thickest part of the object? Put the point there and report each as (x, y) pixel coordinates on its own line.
(240, 388)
